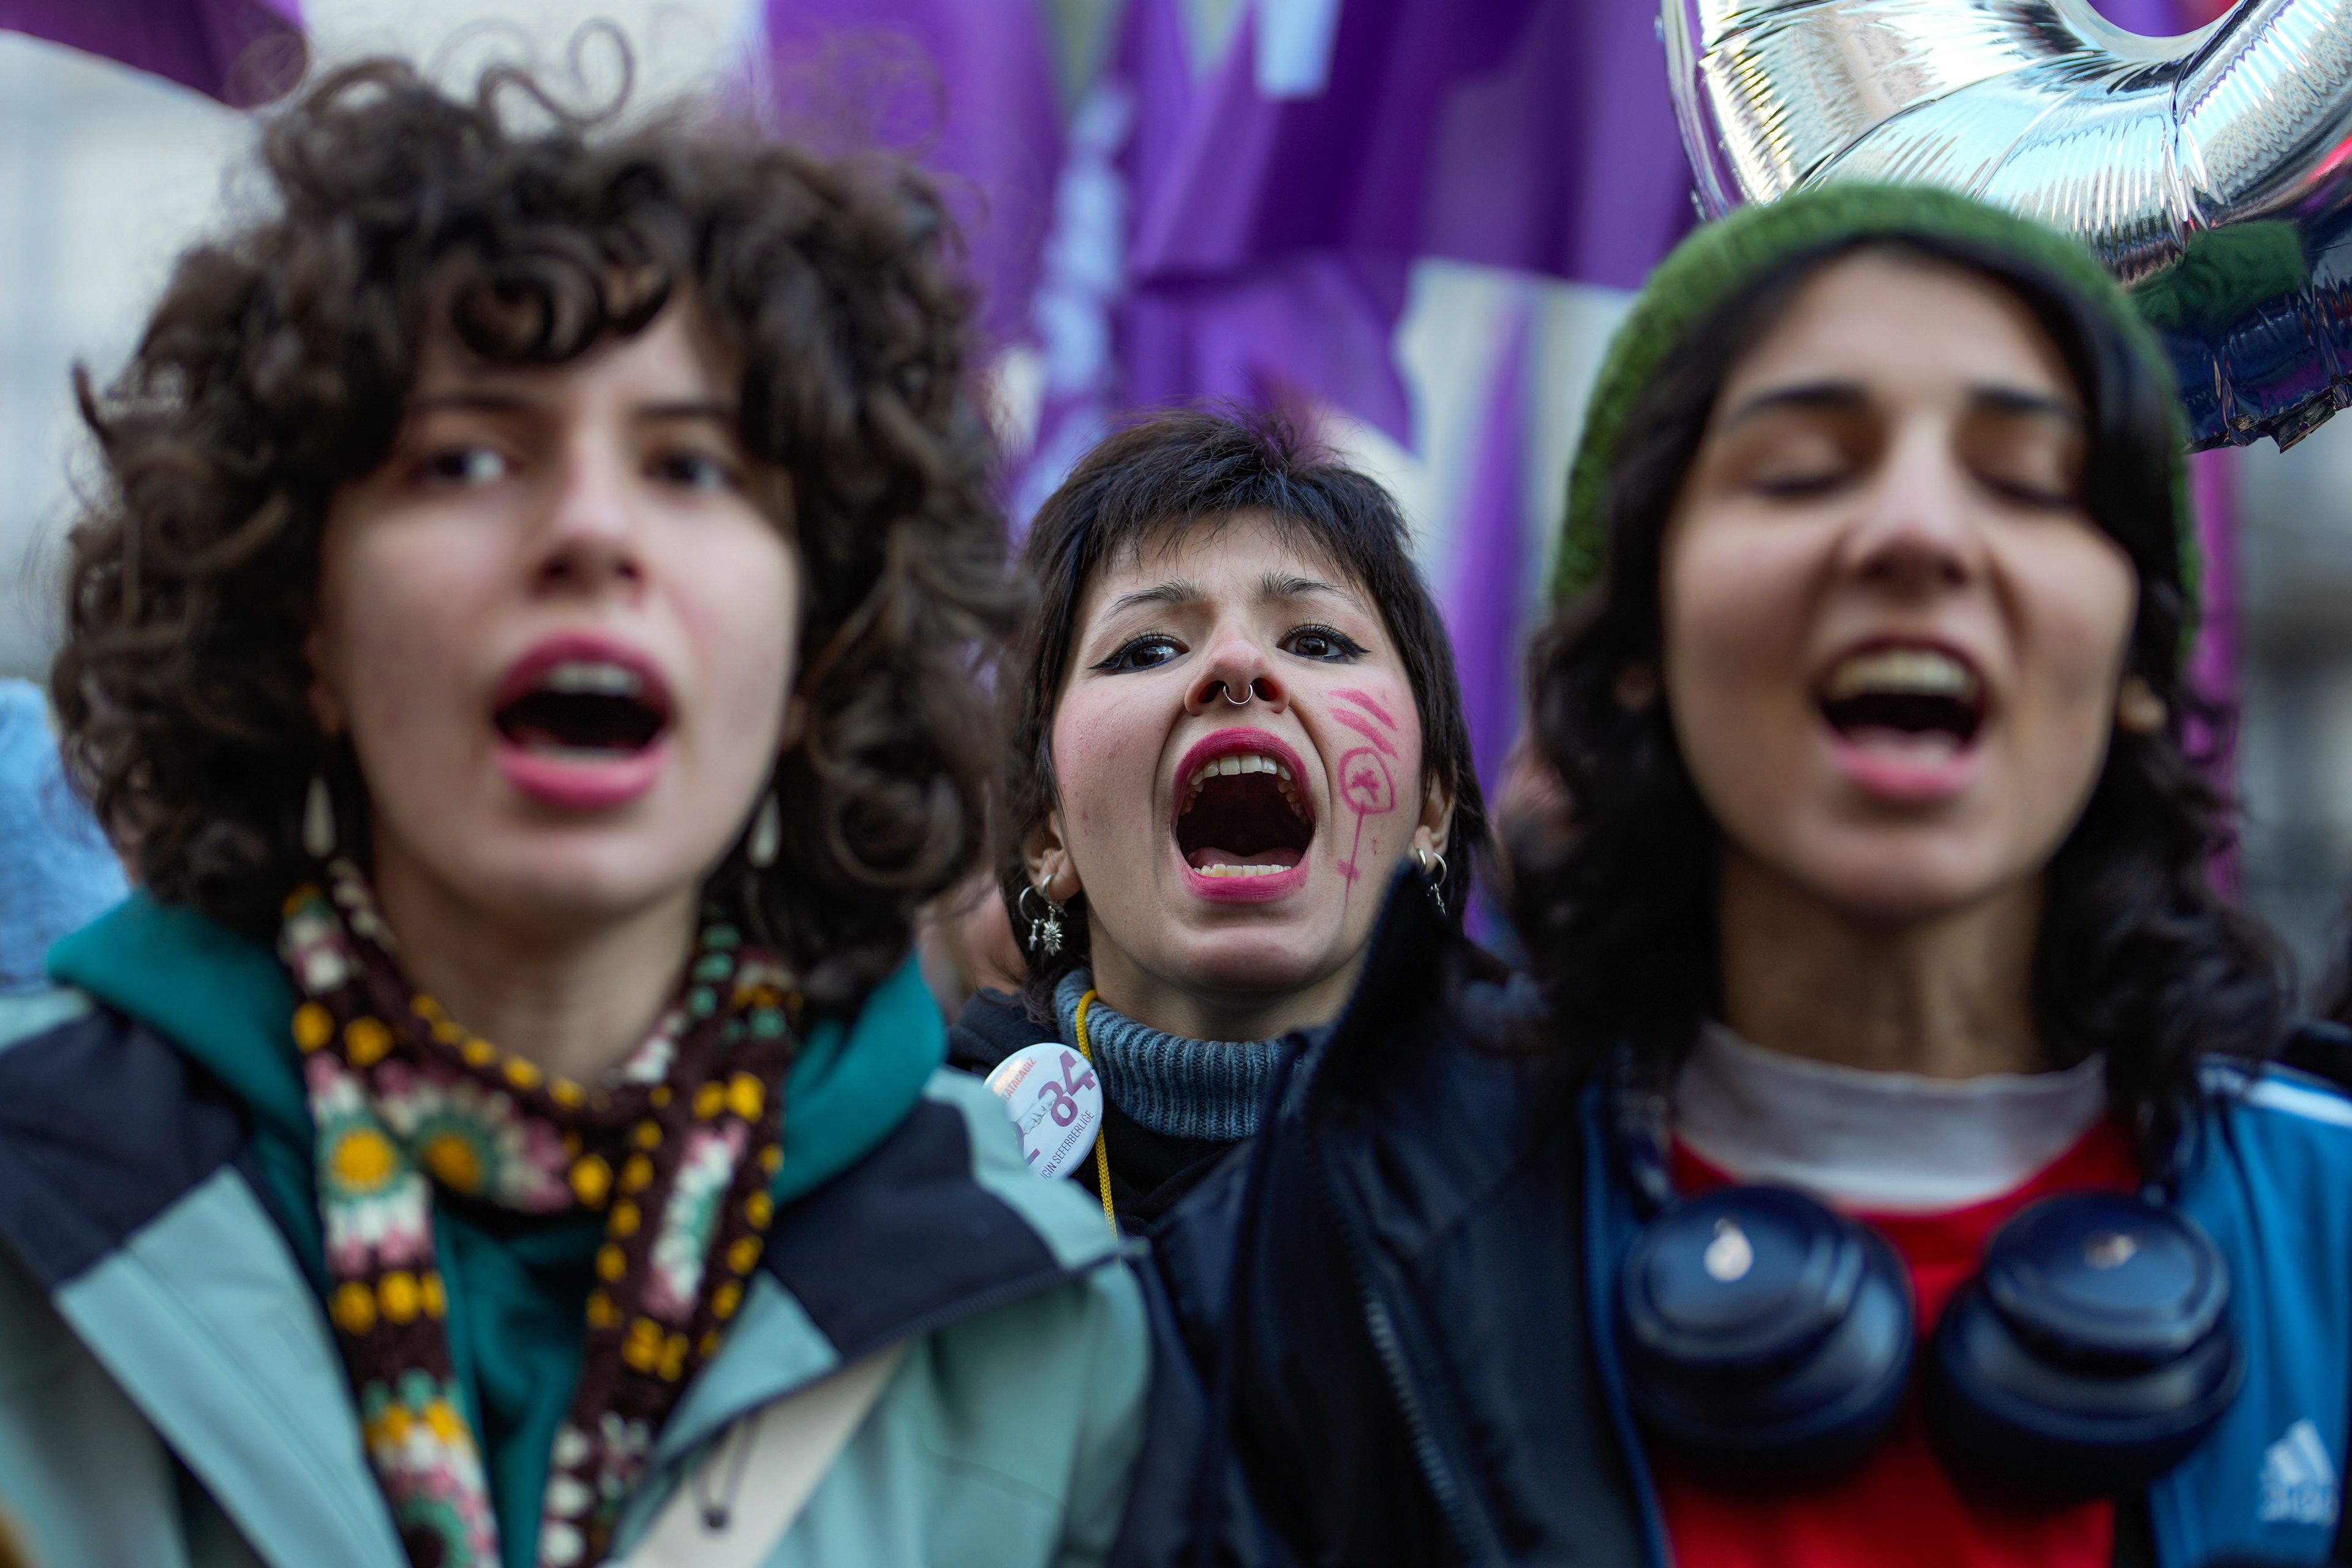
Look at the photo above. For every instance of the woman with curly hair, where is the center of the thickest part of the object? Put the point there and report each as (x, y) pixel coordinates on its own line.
(1235, 735)
(1896, 1174)
(526, 646)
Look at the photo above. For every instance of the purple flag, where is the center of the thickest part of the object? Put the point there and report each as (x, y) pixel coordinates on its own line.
(243, 52)
(1312, 322)
(1490, 569)
(1272, 237)
(965, 87)
(1528, 133)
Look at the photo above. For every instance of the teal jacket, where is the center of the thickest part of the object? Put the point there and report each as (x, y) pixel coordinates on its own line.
(169, 1389)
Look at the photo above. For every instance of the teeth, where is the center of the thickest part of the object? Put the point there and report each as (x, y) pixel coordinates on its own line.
(1240, 762)
(1221, 869)
(1236, 764)
(1911, 671)
(593, 677)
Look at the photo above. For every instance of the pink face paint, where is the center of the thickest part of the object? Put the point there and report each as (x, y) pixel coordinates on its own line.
(1364, 783)
(1364, 701)
(1363, 726)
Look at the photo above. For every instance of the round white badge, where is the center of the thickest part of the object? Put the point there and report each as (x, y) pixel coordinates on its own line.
(1055, 1102)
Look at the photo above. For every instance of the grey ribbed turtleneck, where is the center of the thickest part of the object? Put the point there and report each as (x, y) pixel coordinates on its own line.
(1165, 1083)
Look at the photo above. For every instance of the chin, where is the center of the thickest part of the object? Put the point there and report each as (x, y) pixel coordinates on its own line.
(1253, 961)
(577, 884)
(1887, 892)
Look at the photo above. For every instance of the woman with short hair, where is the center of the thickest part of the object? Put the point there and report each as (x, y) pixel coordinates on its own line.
(1233, 725)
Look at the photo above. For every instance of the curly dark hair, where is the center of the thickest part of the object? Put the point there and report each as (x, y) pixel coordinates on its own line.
(1196, 467)
(275, 369)
(2138, 958)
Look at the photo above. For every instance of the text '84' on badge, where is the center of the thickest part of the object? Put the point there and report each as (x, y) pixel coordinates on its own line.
(1056, 1103)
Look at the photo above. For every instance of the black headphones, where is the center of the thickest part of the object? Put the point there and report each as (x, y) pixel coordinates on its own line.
(1767, 1338)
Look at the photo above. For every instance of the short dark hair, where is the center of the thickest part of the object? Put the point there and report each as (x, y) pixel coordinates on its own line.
(1172, 472)
(2138, 958)
(275, 369)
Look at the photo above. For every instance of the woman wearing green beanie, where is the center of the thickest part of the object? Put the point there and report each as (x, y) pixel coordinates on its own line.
(1892, 1173)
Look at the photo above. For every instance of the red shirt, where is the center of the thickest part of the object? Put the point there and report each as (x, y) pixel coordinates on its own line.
(1901, 1505)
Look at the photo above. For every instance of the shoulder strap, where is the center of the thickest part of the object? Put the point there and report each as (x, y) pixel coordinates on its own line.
(736, 1505)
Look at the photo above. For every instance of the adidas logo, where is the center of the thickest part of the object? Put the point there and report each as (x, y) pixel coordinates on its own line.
(2298, 1480)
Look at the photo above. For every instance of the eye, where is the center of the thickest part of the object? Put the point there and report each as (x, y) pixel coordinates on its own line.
(1145, 652)
(697, 470)
(465, 466)
(1793, 459)
(2030, 493)
(1321, 642)
(1798, 484)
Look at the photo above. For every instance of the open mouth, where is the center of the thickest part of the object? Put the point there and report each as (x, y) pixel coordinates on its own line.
(1243, 816)
(1917, 699)
(582, 707)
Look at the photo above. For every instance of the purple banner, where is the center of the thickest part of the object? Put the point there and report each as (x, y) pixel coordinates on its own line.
(964, 88)
(243, 52)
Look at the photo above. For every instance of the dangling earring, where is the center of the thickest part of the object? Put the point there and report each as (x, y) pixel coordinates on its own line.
(1045, 929)
(318, 820)
(2137, 707)
(767, 834)
(1435, 884)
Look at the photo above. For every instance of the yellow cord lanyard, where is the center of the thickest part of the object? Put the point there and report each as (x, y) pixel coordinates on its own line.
(1102, 1150)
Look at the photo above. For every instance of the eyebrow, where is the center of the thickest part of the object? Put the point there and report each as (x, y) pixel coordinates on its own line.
(709, 408)
(1845, 397)
(2009, 400)
(478, 400)
(1185, 591)
(1290, 586)
(1182, 591)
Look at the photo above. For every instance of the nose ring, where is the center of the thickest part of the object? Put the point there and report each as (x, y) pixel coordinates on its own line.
(1242, 701)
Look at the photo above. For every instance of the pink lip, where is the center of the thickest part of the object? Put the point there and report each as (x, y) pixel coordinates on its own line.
(1905, 780)
(581, 784)
(1237, 890)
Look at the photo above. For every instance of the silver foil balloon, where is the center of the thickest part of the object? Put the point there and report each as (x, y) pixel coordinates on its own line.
(2212, 172)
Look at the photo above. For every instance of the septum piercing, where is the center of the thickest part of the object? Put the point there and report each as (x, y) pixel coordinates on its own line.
(1227, 691)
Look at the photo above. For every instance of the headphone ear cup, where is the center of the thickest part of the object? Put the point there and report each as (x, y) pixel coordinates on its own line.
(1763, 1335)
(2092, 1351)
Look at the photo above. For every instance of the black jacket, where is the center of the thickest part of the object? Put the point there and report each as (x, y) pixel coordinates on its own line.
(1148, 1171)
(1420, 1206)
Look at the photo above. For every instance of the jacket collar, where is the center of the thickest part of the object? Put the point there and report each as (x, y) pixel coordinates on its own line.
(224, 1000)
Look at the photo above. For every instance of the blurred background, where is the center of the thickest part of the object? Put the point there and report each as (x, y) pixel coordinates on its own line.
(1417, 220)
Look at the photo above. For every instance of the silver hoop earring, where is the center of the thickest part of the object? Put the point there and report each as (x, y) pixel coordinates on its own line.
(1435, 884)
(1242, 701)
(767, 834)
(1046, 927)
(319, 820)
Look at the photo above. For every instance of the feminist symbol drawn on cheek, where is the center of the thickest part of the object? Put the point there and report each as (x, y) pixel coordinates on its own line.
(1364, 783)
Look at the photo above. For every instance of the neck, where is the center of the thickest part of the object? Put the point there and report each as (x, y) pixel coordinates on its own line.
(1198, 1013)
(1948, 996)
(572, 1000)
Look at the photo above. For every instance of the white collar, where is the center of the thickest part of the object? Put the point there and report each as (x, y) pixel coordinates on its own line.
(1887, 1142)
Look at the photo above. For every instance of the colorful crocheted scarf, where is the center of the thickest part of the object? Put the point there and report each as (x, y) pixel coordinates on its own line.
(678, 1151)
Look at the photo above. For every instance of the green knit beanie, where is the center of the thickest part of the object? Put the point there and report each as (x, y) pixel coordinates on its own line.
(1716, 259)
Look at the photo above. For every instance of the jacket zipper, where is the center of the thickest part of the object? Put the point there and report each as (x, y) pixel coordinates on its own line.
(1452, 1505)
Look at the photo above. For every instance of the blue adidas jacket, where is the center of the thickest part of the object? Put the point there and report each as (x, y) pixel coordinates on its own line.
(1420, 1366)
